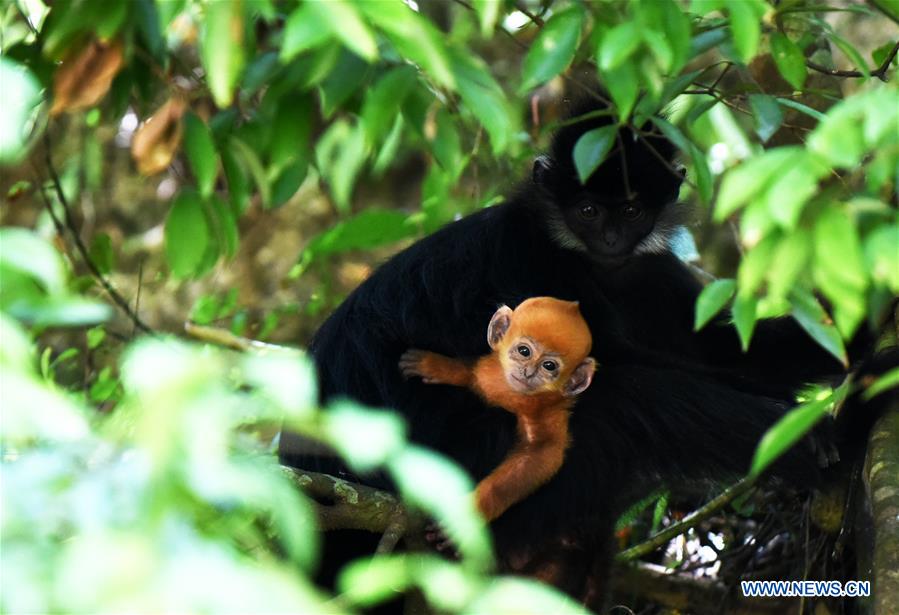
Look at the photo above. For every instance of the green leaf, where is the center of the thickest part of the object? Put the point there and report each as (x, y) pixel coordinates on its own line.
(488, 13)
(343, 82)
(415, 37)
(367, 229)
(291, 132)
(364, 438)
(95, 337)
(101, 253)
(238, 184)
(745, 316)
(23, 250)
(767, 115)
(384, 100)
(789, 59)
(790, 260)
(21, 99)
(591, 150)
(839, 269)
(755, 265)
(250, 159)
(884, 383)
(523, 596)
(201, 153)
(443, 490)
(288, 182)
(553, 49)
(705, 184)
(745, 27)
(222, 50)
(881, 256)
(880, 54)
(792, 104)
(851, 52)
(786, 197)
(786, 432)
(225, 225)
(485, 99)
(618, 44)
(623, 84)
(305, 29)
(343, 20)
(712, 300)
(677, 33)
(186, 234)
(743, 183)
(812, 318)
(340, 154)
(446, 145)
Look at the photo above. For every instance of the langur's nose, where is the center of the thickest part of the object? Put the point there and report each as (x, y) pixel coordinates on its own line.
(531, 374)
(610, 238)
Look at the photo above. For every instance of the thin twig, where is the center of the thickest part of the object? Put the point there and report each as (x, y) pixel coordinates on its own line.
(688, 522)
(652, 150)
(79, 243)
(880, 72)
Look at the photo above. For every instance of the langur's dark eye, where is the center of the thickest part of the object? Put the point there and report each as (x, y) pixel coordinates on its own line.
(550, 366)
(588, 212)
(524, 351)
(632, 212)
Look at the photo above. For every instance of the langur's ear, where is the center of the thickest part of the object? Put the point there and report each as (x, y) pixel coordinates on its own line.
(542, 167)
(499, 324)
(580, 378)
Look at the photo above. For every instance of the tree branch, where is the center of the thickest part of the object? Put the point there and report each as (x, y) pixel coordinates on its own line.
(79, 243)
(694, 518)
(880, 72)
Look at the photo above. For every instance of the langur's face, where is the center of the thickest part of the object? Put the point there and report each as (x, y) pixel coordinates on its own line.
(610, 229)
(530, 367)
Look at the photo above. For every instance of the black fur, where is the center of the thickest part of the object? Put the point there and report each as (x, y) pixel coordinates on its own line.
(666, 406)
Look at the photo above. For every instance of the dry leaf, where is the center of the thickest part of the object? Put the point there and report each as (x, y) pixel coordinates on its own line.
(85, 76)
(156, 141)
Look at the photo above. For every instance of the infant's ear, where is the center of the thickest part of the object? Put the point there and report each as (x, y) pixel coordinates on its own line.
(580, 378)
(499, 324)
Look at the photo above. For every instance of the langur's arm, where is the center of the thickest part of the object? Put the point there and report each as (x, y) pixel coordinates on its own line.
(434, 368)
(529, 465)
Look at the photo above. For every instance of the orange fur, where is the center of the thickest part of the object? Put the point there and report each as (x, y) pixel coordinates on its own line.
(553, 329)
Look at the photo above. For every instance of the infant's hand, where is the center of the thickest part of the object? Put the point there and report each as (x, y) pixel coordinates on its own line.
(416, 362)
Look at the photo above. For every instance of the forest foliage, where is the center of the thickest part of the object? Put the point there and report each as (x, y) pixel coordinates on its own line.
(152, 485)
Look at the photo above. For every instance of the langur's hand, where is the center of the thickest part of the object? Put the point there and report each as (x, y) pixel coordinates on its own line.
(416, 362)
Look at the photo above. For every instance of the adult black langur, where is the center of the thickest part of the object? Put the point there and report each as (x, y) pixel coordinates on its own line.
(667, 405)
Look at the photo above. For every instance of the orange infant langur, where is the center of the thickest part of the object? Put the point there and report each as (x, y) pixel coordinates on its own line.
(538, 365)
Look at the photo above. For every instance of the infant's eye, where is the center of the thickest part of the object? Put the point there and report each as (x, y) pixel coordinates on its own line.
(588, 211)
(524, 351)
(550, 366)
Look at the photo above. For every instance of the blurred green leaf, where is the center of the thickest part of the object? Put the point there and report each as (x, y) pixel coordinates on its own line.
(882, 257)
(250, 159)
(743, 183)
(712, 300)
(446, 144)
(755, 265)
(365, 438)
(591, 150)
(851, 52)
(884, 383)
(16, 351)
(186, 234)
(488, 13)
(368, 581)
(485, 99)
(786, 432)
(839, 269)
(384, 101)
(343, 20)
(553, 49)
(288, 182)
(95, 337)
(745, 316)
(524, 596)
(201, 153)
(789, 262)
(340, 154)
(618, 44)
(414, 37)
(225, 225)
(367, 229)
(222, 49)
(745, 26)
(21, 98)
(343, 82)
(304, 29)
(789, 59)
(291, 132)
(23, 250)
(443, 490)
(767, 115)
(623, 84)
(812, 318)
